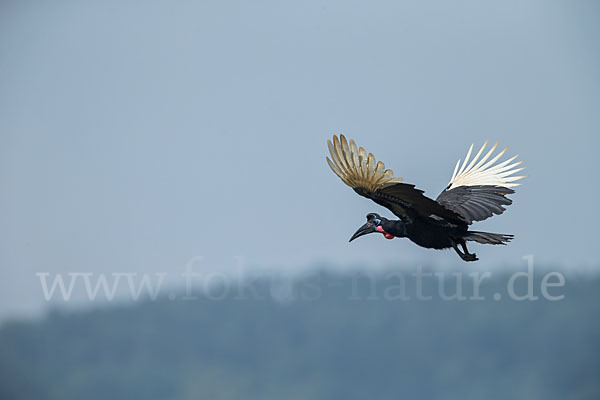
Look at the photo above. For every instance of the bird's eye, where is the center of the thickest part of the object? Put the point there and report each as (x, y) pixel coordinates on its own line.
(377, 221)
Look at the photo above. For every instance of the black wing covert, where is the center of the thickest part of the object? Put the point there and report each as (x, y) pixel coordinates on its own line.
(476, 203)
(408, 203)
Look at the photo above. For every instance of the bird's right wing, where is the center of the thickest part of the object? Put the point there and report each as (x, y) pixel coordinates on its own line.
(478, 189)
(369, 178)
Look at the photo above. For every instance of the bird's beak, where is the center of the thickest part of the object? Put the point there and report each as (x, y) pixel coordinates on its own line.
(364, 230)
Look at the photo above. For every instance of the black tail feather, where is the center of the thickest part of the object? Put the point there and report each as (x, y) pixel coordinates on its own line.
(488, 238)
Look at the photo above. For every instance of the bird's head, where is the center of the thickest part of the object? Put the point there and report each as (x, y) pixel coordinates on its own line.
(375, 223)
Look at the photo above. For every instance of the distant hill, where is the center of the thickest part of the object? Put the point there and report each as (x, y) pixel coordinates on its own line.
(325, 337)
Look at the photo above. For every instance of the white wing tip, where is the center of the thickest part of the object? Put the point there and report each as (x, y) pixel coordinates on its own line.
(480, 173)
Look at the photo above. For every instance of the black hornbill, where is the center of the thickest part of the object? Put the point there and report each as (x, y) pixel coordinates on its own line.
(476, 192)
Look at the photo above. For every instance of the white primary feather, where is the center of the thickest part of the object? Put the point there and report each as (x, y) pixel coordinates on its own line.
(477, 173)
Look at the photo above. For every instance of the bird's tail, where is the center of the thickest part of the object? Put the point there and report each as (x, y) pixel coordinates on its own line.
(487, 238)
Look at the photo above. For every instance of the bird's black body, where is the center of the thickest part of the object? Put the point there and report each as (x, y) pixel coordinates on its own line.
(431, 234)
(436, 224)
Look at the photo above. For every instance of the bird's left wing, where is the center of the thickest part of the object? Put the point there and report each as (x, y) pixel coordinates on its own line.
(478, 189)
(369, 178)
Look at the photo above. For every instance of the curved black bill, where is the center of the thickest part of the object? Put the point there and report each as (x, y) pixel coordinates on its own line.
(367, 228)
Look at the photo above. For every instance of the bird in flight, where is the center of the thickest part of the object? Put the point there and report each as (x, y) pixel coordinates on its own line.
(476, 191)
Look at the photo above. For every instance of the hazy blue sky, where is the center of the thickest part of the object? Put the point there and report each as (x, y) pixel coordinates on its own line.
(136, 135)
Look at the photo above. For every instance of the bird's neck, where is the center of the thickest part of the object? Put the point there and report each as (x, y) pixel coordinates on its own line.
(396, 228)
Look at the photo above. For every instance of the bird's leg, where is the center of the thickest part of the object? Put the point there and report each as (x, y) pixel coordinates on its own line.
(465, 256)
(468, 256)
(460, 253)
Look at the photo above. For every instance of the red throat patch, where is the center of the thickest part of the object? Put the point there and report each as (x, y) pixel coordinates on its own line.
(387, 235)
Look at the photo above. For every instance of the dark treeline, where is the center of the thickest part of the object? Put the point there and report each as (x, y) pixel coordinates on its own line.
(320, 337)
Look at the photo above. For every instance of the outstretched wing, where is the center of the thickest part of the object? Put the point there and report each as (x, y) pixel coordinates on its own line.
(478, 189)
(369, 178)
